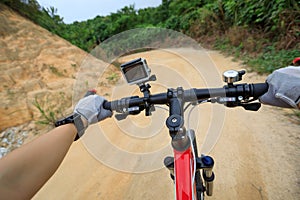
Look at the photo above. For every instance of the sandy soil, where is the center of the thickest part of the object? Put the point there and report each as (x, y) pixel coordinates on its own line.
(257, 153)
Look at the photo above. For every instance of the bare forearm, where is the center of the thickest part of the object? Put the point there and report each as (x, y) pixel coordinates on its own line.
(24, 171)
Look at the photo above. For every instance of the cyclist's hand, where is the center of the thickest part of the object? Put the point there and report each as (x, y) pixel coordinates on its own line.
(284, 88)
(91, 109)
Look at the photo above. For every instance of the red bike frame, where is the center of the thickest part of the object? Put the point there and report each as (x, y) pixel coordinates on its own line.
(183, 169)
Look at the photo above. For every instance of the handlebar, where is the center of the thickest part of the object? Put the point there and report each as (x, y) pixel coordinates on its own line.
(240, 92)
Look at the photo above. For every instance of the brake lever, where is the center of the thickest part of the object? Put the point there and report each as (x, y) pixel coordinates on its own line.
(130, 111)
(251, 106)
(120, 117)
(233, 102)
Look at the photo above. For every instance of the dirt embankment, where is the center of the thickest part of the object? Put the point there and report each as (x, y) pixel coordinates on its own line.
(37, 69)
(257, 154)
(34, 64)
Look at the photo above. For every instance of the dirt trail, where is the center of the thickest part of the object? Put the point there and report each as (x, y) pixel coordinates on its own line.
(257, 155)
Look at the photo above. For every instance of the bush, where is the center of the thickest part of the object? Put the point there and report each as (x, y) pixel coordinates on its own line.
(270, 59)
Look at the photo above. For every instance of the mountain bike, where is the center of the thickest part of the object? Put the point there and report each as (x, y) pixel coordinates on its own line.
(192, 174)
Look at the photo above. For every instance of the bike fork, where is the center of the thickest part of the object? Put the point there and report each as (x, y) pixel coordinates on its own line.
(182, 168)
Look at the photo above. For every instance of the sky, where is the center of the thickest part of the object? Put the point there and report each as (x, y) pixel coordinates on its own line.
(79, 10)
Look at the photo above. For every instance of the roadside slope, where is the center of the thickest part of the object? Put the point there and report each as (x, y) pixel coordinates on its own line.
(37, 69)
(34, 63)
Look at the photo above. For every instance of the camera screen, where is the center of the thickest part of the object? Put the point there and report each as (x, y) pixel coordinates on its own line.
(135, 72)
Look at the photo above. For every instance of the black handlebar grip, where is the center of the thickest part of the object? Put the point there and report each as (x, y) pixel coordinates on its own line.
(107, 105)
(259, 89)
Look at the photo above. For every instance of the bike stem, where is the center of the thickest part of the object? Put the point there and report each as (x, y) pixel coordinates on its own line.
(175, 120)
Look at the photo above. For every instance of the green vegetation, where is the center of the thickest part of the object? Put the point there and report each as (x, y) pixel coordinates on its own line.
(55, 71)
(51, 108)
(48, 115)
(271, 59)
(113, 78)
(297, 114)
(264, 34)
(45, 17)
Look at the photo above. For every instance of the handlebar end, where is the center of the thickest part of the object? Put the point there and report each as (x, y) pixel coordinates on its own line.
(107, 105)
(259, 89)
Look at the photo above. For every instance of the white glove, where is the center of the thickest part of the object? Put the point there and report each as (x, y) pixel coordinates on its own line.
(91, 108)
(284, 88)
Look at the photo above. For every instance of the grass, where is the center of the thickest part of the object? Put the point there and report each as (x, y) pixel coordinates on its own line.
(297, 113)
(55, 71)
(113, 78)
(294, 116)
(10, 93)
(270, 60)
(264, 62)
(74, 65)
(49, 114)
(116, 63)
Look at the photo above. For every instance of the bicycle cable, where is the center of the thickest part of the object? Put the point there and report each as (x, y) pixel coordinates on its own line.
(193, 172)
(161, 107)
(191, 139)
